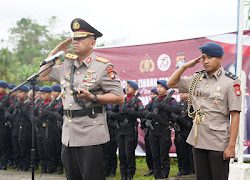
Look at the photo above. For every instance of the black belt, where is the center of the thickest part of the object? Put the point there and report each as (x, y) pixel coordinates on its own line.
(82, 112)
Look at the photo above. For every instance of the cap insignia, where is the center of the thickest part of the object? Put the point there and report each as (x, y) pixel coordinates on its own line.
(76, 25)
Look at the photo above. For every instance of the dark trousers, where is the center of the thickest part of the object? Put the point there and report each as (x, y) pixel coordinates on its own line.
(126, 146)
(25, 146)
(209, 165)
(160, 146)
(16, 151)
(83, 163)
(149, 158)
(5, 141)
(110, 158)
(42, 153)
(54, 150)
(184, 155)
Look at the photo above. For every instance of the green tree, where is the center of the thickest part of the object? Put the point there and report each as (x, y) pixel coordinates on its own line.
(8, 65)
(28, 39)
(31, 43)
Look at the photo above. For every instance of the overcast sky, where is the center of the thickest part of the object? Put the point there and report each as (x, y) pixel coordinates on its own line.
(129, 21)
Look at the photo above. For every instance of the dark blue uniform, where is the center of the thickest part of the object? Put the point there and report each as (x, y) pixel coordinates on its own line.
(127, 134)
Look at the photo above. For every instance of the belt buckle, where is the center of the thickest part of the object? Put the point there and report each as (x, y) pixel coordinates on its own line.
(69, 113)
(93, 114)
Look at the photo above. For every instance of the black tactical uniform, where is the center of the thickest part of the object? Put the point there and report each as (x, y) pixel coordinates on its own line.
(42, 133)
(160, 135)
(127, 132)
(52, 117)
(183, 149)
(144, 126)
(5, 126)
(110, 148)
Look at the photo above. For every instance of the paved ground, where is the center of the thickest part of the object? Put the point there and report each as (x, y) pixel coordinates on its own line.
(14, 175)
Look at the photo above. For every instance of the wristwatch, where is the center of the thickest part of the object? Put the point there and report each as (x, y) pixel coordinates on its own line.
(95, 98)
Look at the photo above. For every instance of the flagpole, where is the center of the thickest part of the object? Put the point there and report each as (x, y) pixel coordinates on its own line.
(239, 45)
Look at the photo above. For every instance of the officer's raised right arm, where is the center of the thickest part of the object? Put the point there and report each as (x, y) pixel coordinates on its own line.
(63, 46)
(175, 77)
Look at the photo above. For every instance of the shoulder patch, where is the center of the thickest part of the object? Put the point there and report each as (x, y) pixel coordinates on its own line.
(111, 72)
(71, 56)
(231, 75)
(101, 59)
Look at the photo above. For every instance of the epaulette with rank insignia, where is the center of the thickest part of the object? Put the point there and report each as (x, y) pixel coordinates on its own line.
(71, 56)
(231, 75)
(203, 71)
(101, 59)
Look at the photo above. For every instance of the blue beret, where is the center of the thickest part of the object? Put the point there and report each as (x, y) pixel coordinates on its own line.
(11, 86)
(56, 88)
(45, 89)
(3, 84)
(24, 88)
(212, 49)
(163, 83)
(133, 84)
(154, 90)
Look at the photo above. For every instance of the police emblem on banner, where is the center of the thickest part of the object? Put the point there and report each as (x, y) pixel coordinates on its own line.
(180, 59)
(164, 62)
(147, 64)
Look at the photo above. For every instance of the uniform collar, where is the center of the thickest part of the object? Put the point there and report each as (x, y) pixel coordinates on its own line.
(87, 61)
(217, 74)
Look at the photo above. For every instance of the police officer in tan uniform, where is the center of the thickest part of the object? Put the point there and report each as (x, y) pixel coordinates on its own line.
(88, 82)
(214, 95)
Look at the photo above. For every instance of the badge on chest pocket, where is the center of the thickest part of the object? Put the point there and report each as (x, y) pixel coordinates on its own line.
(217, 97)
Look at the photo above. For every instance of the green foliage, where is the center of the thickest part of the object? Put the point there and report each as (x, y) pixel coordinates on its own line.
(31, 43)
(141, 169)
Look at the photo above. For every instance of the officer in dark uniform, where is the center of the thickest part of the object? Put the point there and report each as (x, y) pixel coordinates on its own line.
(144, 126)
(51, 117)
(183, 149)
(110, 148)
(12, 99)
(127, 130)
(5, 125)
(88, 82)
(24, 133)
(57, 113)
(160, 136)
(42, 125)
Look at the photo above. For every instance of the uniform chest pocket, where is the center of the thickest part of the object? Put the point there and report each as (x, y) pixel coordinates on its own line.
(91, 122)
(220, 126)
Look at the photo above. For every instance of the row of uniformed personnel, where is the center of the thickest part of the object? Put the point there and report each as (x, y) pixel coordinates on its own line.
(157, 118)
(16, 124)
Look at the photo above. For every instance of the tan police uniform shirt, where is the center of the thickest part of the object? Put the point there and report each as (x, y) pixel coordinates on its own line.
(97, 75)
(216, 95)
